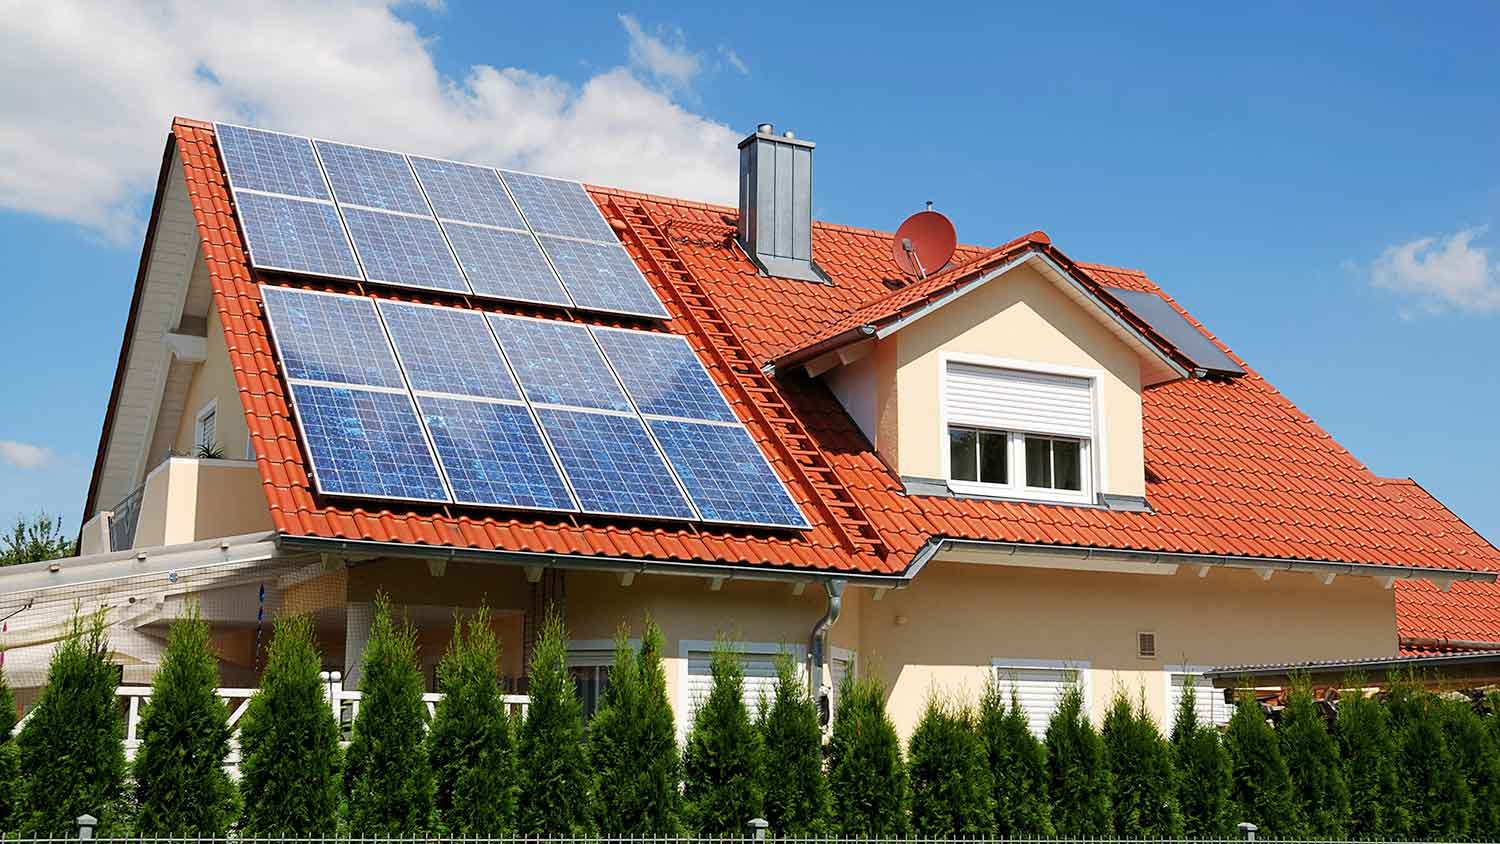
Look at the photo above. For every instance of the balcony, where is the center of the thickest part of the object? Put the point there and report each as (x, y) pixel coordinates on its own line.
(183, 499)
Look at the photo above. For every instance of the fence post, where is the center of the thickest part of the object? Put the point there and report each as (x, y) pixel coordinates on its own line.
(1247, 831)
(86, 825)
(758, 828)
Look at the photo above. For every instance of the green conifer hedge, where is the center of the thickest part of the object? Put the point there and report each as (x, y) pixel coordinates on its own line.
(1204, 779)
(615, 738)
(1262, 787)
(1477, 756)
(1143, 780)
(1018, 766)
(1368, 753)
(556, 795)
(797, 797)
(866, 777)
(1077, 771)
(10, 761)
(952, 790)
(1438, 804)
(470, 745)
(659, 763)
(722, 762)
(1312, 759)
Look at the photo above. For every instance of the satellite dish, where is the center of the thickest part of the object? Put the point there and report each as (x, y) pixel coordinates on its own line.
(924, 243)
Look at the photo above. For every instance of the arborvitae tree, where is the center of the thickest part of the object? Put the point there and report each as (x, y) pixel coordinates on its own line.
(1077, 773)
(1018, 766)
(1143, 780)
(1436, 794)
(1475, 751)
(470, 745)
(614, 746)
(181, 787)
(387, 778)
(660, 763)
(722, 761)
(797, 802)
(1367, 750)
(1262, 791)
(72, 751)
(952, 790)
(1312, 761)
(555, 783)
(865, 775)
(289, 743)
(1203, 774)
(10, 763)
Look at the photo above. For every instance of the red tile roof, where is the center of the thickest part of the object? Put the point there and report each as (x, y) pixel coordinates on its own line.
(1235, 468)
(1429, 620)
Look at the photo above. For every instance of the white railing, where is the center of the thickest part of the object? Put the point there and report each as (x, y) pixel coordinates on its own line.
(345, 702)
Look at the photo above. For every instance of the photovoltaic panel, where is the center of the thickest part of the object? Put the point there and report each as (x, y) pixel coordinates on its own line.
(330, 337)
(296, 235)
(612, 464)
(448, 350)
(602, 277)
(555, 206)
(270, 161)
(505, 264)
(663, 375)
(366, 443)
(466, 193)
(493, 454)
(404, 250)
(1165, 319)
(558, 363)
(725, 474)
(371, 177)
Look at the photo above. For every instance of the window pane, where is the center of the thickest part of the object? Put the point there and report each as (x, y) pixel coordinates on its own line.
(963, 447)
(992, 447)
(1067, 464)
(1039, 462)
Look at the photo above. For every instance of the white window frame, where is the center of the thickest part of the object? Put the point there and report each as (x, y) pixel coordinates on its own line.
(210, 409)
(1080, 667)
(1092, 457)
(1170, 671)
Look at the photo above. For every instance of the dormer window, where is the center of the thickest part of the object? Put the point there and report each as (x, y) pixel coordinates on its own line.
(1019, 433)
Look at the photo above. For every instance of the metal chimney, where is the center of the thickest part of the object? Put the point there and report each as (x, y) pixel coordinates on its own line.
(775, 225)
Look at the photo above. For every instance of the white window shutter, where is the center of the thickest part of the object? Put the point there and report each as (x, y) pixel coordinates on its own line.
(760, 678)
(1012, 400)
(1039, 691)
(1208, 702)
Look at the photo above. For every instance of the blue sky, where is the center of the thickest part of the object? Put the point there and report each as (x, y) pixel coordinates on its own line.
(1321, 188)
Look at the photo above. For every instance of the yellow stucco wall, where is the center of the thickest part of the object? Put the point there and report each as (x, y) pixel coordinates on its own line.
(214, 381)
(185, 500)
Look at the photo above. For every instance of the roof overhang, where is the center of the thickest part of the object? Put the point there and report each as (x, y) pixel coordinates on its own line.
(1157, 366)
(69, 572)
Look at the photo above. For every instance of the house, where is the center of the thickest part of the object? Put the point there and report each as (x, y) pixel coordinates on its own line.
(736, 420)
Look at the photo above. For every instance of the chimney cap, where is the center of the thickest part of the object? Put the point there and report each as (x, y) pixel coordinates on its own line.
(766, 129)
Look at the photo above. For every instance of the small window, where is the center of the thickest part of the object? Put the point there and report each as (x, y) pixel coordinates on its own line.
(590, 681)
(978, 456)
(1053, 463)
(206, 434)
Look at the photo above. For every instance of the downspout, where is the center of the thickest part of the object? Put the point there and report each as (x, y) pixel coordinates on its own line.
(818, 641)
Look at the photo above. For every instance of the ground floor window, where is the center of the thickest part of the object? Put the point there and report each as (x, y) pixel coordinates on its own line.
(757, 660)
(1208, 701)
(588, 665)
(1039, 686)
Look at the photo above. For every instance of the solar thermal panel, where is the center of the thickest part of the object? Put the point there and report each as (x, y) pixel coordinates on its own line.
(558, 363)
(270, 161)
(1161, 316)
(466, 193)
(403, 250)
(330, 337)
(371, 177)
(295, 235)
(505, 264)
(493, 454)
(366, 443)
(555, 206)
(602, 277)
(663, 375)
(448, 350)
(613, 466)
(726, 475)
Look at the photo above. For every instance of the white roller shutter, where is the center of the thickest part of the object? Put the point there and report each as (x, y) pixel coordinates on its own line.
(1208, 701)
(841, 663)
(1039, 690)
(1012, 400)
(760, 678)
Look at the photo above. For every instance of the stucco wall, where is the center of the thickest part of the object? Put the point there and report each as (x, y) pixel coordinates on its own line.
(214, 381)
(186, 500)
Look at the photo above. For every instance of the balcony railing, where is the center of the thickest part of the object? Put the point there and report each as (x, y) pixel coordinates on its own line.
(123, 520)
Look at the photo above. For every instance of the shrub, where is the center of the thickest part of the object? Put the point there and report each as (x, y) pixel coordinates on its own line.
(952, 791)
(289, 742)
(1077, 773)
(660, 765)
(797, 801)
(470, 746)
(387, 778)
(1203, 774)
(1478, 757)
(722, 761)
(1437, 801)
(1143, 781)
(182, 789)
(555, 795)
(1018, 766)
(10, 763)
(1262, 787)
(72, 751)
(1363, 730)
(865, 775)
(1312, 759)
(615, 751)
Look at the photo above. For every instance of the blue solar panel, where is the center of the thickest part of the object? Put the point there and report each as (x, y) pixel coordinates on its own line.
(663, 375)
(725, 474)
(466, 193)
(270, 161)
(330, 337)
(447, 350)
(397, 249)
(603, 277)
(493, 454)
(371, 177)
(612, 464)
(1161, 316)
(296, 235)
(554, 206)
(558, 363)
(366, 443)
(505, 264)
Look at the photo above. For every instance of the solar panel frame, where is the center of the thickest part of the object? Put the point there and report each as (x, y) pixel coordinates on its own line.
(602, 277)
(371, 336)
(371, 178)
(457, 191)
(386, 243)
(320, 477)
(243, 166)
(577, 459)
(263, 232)
(557, 207)
(482, 251)
(691, 394)
(705, 468)
(1182, 334)
(462, 479)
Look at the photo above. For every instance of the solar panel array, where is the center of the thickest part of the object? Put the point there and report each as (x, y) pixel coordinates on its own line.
(422, 402)
(350, 212)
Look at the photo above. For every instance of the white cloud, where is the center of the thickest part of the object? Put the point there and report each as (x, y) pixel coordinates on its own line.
(24, 455)
(734, 60)
(91, 96)
(674, 65)
(1442, 273)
